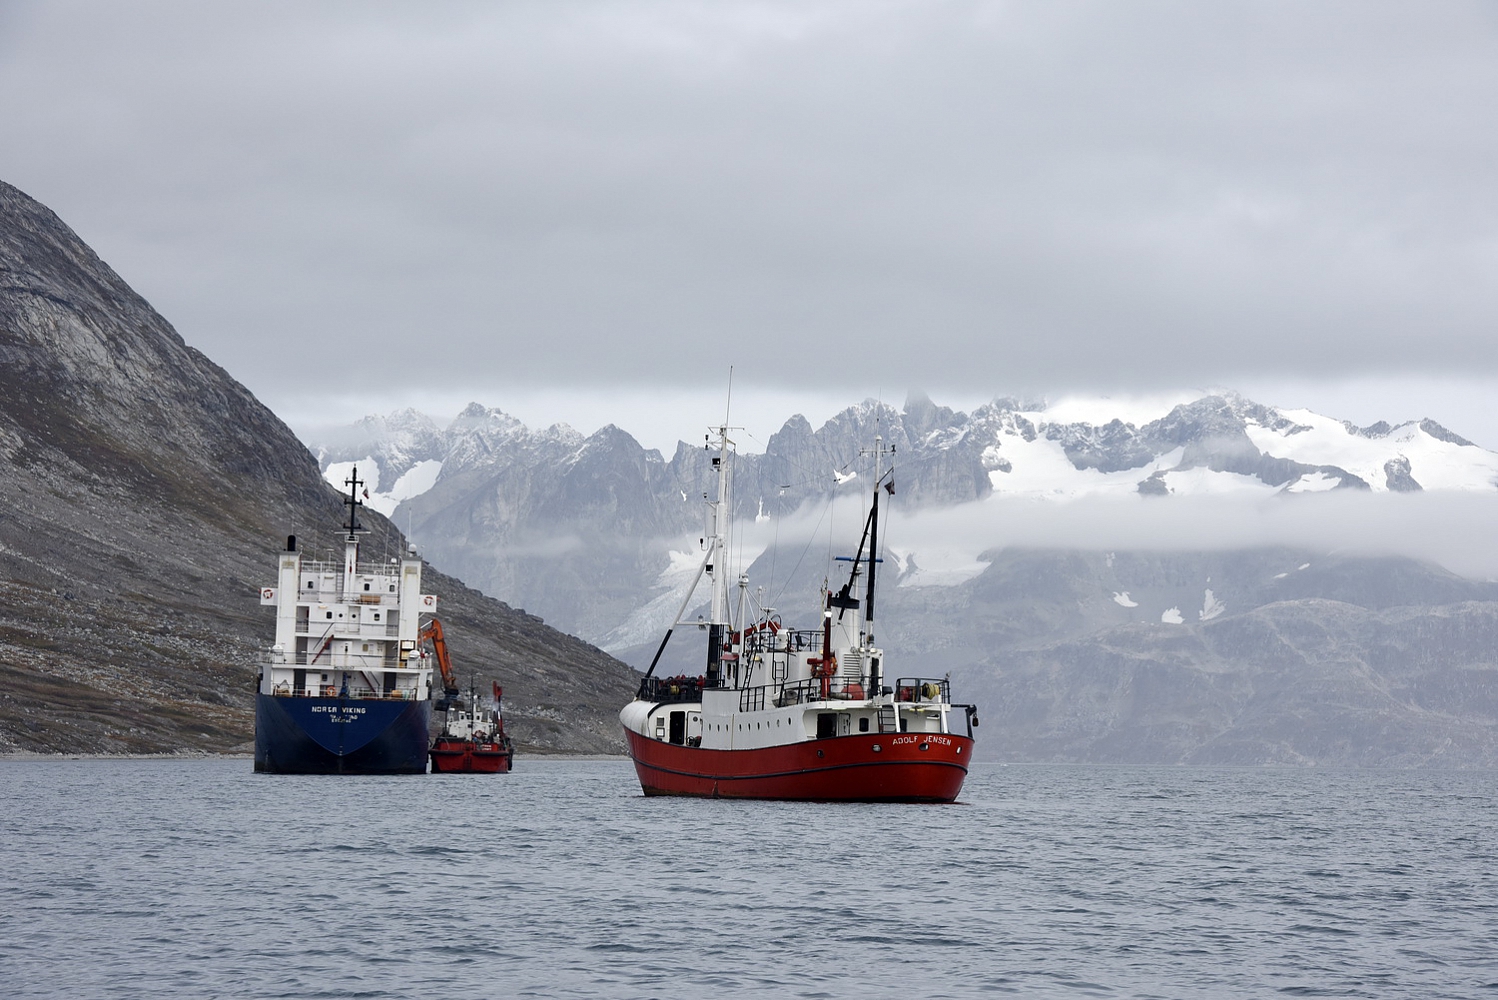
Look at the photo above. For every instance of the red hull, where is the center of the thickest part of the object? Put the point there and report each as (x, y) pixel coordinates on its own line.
(462, 757)
(906, 767)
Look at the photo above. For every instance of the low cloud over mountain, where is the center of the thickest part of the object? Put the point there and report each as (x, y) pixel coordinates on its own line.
(1022, 538)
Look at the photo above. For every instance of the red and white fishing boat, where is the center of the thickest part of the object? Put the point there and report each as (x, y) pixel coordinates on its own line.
(785, 713)
(473, 739)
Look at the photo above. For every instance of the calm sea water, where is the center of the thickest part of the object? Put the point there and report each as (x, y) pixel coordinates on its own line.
(198, 878)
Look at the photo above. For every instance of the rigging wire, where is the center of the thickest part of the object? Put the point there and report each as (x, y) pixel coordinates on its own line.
(809, 543)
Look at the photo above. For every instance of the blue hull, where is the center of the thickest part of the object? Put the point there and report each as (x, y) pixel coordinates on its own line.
(340, 736)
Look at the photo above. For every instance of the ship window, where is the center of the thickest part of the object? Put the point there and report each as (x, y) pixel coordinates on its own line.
(377, 616)
(366, 586)
(863, 725)
(309, 584)
(330, 615)
(392, 588)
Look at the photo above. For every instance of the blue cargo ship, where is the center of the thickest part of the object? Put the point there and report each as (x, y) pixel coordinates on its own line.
(344, 690)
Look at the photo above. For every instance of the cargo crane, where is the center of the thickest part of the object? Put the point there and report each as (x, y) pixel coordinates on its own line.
(450, 692)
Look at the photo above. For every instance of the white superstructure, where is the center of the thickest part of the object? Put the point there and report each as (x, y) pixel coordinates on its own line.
(347, 629)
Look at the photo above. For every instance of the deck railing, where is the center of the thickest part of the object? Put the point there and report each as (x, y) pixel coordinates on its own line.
(284, 690)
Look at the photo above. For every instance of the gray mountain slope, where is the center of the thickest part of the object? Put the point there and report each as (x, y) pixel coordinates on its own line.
(146, 494)
(1352, 661)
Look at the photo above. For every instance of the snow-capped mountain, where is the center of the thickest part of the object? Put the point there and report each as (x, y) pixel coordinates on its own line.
(545, 517)
(601, 536)
(1218, 443)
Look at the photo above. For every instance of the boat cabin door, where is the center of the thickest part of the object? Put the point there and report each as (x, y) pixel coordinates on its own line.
(831, 724)
(679, 728)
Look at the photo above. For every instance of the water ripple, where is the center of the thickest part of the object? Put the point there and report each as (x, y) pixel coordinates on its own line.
(200, 878)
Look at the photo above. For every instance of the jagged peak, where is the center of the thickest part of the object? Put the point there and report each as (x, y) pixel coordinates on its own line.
(797, 426)
(1440, 433)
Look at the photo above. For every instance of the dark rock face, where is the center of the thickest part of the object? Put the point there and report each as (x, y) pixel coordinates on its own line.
(1349, 661)
(146, 494)
(1397, 475)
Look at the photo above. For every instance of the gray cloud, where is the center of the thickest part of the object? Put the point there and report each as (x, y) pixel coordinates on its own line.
(983, 196)
(1455, 530)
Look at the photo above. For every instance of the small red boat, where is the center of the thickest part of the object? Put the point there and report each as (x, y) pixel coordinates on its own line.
(451, 755)
(473, 739)
(783, 713)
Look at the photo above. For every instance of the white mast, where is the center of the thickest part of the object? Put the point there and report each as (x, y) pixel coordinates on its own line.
(718, 538)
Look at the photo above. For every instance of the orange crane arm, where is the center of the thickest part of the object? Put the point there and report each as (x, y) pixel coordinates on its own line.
(433, 632)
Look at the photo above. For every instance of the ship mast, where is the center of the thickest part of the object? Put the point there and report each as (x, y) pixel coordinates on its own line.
(716, 565)
(353, 527)
(868, 608)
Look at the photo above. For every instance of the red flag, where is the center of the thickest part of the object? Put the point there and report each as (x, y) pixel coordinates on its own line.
(499, 693)
(366, 494)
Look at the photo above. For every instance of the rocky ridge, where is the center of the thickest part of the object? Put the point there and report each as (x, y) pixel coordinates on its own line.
(146, 494)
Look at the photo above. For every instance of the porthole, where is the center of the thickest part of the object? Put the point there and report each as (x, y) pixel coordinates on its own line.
(877, 748)
(925, 746)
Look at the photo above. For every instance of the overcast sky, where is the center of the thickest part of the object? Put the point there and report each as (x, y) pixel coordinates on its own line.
(588, 211)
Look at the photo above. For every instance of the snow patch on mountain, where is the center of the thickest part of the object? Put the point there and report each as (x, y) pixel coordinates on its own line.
(1123, 600)
(338, 473)
(1211, 607)
(938, 567)
(417, 480)
(1172, 616)
(1435, 458)
(1040, 468)
(414, 482)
